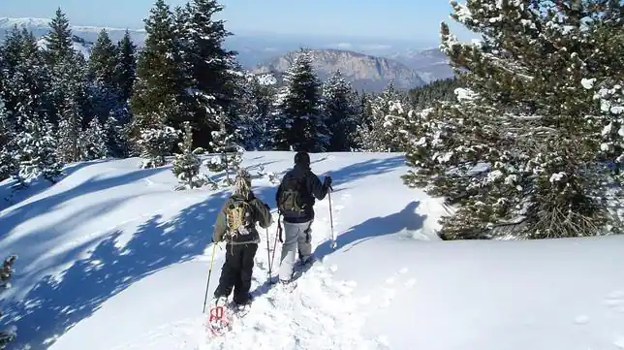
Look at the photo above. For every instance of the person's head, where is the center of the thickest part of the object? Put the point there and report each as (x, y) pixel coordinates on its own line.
(242, 183)
(302, 159)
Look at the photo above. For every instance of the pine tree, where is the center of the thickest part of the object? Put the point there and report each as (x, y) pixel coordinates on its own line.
(92, 141)
(299, 123)
(103, 61)
(159, 89)
(7, 335)
(342, 112)
(125, 71)
(209, 62)
(519, 151)
(36, 153)
(59, 46)
(228, 154)
(70, 97)
(186, 164)
(7, 136)
(156, 142)
(380, 133)
(255, 110)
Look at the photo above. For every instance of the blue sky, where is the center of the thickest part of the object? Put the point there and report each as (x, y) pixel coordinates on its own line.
(389, 19)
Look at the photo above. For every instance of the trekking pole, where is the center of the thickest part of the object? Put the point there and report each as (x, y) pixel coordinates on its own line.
(277, 234)
(268, 251)
(331, 220)
(214, 246)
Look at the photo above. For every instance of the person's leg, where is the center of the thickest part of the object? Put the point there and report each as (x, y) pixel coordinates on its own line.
(289, 247)
(229, 272)
(241, 292)
(305, 242)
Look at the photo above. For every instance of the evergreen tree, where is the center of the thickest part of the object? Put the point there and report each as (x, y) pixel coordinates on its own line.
(186, 164)
(209, 62)
(342, 112)
(7, 335)
(440, 90)
(70, 98)
(519, 152)
(7, 136)
(381, 132)
(125, 71)
(159, 89)
(93, 141)
(255, 110)
(228, 154)
(156, 142)
(36, 153)
(103, 61)
(59, 46)
(26, 80)
(299, 123)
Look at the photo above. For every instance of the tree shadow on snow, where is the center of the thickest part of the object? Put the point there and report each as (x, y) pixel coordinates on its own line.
(52, 307)
(364, 169)
(16, 216)
(406, 221)
(13, 196)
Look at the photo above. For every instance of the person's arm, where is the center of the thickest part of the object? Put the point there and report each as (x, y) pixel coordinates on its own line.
(263, 212)
(220, 225)
(315, 186)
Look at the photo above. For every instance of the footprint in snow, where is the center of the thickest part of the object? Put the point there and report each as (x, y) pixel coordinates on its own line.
(615, 298)
(581, 319)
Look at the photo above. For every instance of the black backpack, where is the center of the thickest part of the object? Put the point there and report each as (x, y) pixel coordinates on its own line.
(292, 197)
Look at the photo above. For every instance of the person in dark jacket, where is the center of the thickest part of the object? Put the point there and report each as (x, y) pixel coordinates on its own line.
(295, 199)
(236, 225)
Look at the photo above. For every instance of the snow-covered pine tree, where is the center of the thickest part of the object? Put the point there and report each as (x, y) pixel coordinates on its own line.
(518, 151)
(156, 141)
(299, 122)
(381, 132)
(70, 92)
(36, 152)
(103, 61)
(93, 141)
(342, 112)
(59, 46)
(9, 334)
(228, 155)
(211, 66)
(7, 136)
(125, 70)
(252, 113)
(186, 165)
(160, 87)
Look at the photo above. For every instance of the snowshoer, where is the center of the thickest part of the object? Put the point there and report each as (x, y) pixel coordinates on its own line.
(236, 224)
(295, 201)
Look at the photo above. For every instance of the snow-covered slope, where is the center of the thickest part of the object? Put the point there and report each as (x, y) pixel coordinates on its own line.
(112, 258)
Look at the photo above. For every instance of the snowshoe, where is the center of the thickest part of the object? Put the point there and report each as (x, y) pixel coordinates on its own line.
(219, 319)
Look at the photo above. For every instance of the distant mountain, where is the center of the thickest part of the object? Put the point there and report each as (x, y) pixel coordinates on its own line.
(255, 49)
(431, 64)
(40, 27)
(365, 72)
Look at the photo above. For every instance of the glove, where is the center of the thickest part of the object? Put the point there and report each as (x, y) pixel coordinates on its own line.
(327, 183)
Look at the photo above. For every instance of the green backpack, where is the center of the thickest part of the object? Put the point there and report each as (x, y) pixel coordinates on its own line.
(239, 219)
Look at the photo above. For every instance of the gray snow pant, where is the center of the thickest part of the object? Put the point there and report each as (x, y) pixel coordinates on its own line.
(295, 236)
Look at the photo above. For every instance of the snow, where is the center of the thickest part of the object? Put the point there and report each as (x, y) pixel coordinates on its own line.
(111, 257)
